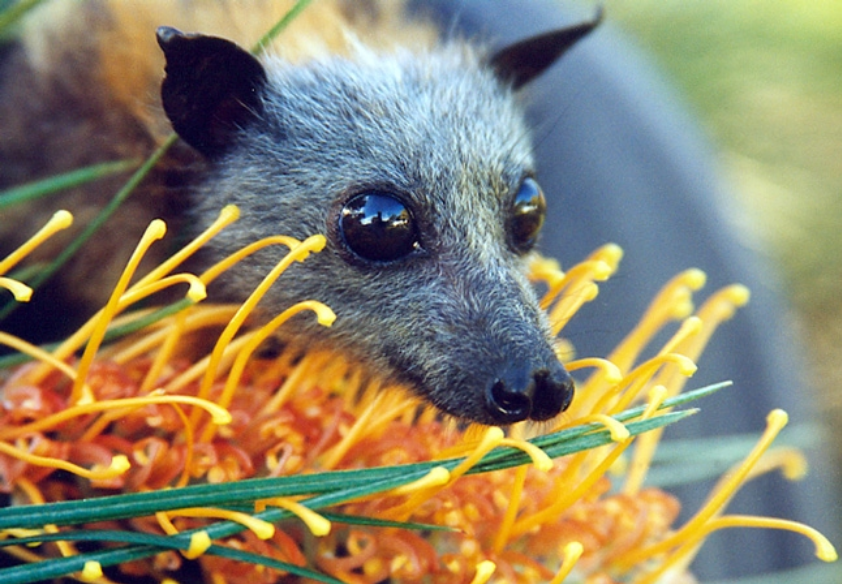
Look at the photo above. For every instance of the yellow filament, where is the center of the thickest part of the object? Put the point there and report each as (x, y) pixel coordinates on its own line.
(569, 304)
(60, 220)
(546, 270)
(683, 555)
(721, 494)
(196, 318)
(318, 525)
(539, 458)
(35, 496)
(583, 272)
(572, 552)
(716, 309)
(172, 335)
(199, 544)
(505, 530)
(437, 477)
(262, 529)
(560, 504)
(219, 415)
(228, 215)
(325, 317)
(19, 290)
(335, 455)
(92, 571)
(196, 290)
(824, 549)
(166, 523)
(199, 368)
(294, 381)
(639, 376)
(154, 232)
(645, 447)
(214, 271)
(691, 326)
(617, 430)
(492, 438)
(37, 353)
(611, 374)
(672, 302)
(119, 464)
(298, 253)
(485, 570)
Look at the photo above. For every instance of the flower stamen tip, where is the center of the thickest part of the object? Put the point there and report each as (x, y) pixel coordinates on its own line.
(199, 544)
(485, 569)
(92, 571)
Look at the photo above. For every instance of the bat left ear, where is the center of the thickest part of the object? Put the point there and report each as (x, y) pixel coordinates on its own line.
(523, 61)
(212, 89)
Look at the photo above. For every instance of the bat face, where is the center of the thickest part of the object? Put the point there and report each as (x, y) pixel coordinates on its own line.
(418, 169)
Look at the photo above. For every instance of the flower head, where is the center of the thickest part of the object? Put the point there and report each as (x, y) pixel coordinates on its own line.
(251, 466)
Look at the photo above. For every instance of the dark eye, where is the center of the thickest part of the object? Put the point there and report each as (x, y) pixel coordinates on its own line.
(527, 215)
(378, 227)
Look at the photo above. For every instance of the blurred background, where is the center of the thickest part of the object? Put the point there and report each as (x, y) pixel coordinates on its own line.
(765, 79)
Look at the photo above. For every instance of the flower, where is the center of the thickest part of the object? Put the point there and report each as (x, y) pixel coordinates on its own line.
(247, 466)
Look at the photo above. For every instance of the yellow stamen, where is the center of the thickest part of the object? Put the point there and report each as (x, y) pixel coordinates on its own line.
(166, 523)
(672, 302)
(572, 552)
(225, 264)
(298, 253)
(539, 458)
(37, 353)
(618, 430)
(318, 525)
(200, 367)
(154, 232)
(645, 447)
(219, 415)
(611, 374)
(36, 498)
(228, 215)
(19, 290)
(325, 317)
(199, 544)
(119, 464)
(723, 492)
(485, 570)
(262, 529)
(566, 499)
(505, 531)
(438, 476)
(825, 551)
(60, 220)
(92, 571)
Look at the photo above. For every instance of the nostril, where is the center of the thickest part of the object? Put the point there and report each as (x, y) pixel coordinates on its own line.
(553, 393)
(507, 405)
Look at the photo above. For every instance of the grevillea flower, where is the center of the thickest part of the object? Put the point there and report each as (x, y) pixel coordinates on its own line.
(172, 461)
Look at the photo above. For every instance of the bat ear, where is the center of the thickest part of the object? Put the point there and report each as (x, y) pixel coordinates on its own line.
(523, 61)
(211, 88)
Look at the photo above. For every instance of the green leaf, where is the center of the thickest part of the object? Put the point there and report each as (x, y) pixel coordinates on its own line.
(55, 184)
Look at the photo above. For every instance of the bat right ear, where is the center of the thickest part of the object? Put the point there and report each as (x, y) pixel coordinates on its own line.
(523, 61)
(212, 88)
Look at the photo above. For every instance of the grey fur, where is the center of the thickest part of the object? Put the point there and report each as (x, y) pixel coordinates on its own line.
(444, 134)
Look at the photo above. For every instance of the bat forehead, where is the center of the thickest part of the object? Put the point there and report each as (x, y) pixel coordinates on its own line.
(438, 129)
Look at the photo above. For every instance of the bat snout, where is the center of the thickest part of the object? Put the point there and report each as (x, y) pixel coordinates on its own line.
(524, 391)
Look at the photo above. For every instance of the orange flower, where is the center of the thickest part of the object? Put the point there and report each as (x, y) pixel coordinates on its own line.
(147, 415)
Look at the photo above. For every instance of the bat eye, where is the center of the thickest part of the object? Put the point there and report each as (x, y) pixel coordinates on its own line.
(378, 227)
(527, 216)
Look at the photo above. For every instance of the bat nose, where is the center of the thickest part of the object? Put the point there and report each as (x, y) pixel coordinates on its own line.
(524, 392)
